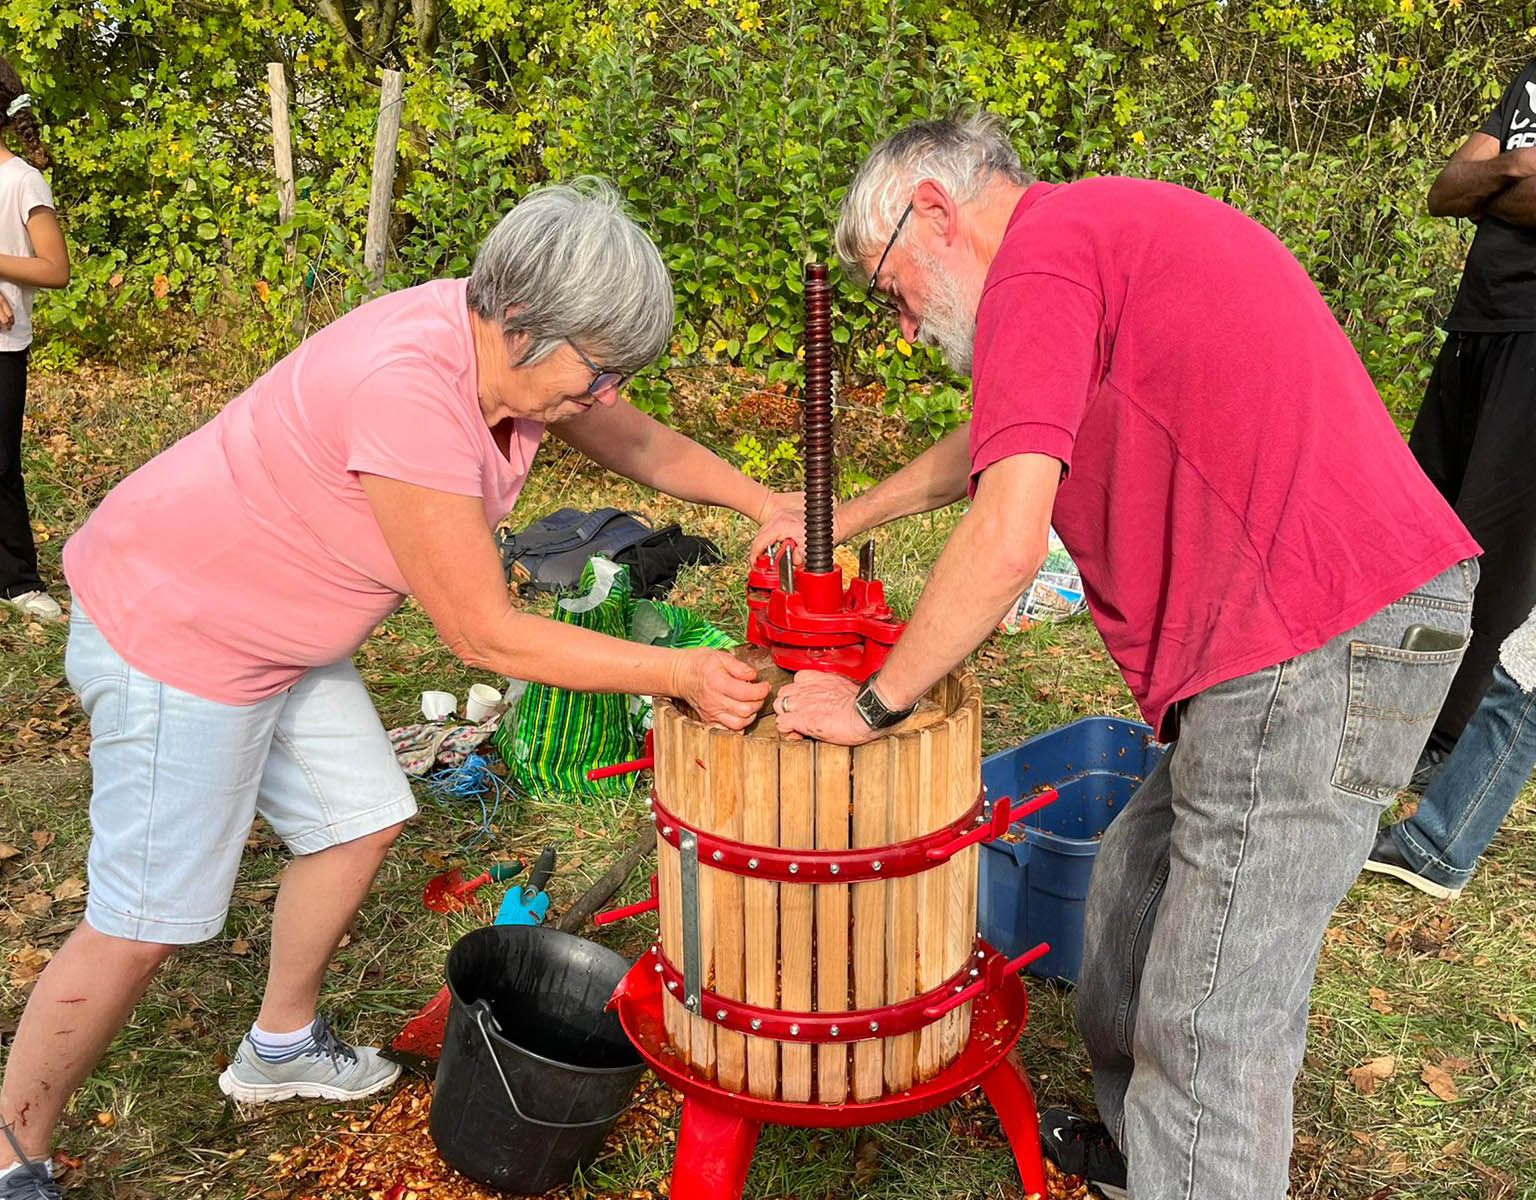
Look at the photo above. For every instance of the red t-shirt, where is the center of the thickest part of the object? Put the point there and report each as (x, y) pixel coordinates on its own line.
(1235, 493)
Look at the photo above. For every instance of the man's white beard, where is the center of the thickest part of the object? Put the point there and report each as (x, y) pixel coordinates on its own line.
(949, 324)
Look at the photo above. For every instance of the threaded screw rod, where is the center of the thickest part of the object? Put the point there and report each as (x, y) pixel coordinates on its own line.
(816, 430)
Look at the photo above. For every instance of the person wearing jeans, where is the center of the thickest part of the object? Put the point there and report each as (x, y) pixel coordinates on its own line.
(1436, 849)
(1155, 375)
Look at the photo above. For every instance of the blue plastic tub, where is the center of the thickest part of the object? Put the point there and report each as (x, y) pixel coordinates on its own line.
(1033, 889)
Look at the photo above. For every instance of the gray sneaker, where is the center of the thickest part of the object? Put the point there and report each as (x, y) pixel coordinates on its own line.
(328, 1070)
(31, 1180)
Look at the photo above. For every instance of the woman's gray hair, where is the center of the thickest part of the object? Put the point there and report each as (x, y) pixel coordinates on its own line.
(964, 153)
(569, 263)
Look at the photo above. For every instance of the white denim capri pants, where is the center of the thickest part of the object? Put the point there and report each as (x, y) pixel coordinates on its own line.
(177, 781)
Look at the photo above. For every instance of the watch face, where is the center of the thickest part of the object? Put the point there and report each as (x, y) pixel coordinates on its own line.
(875, 714)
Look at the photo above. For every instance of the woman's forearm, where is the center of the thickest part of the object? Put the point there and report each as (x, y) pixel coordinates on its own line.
(639, 447)
(524, 646)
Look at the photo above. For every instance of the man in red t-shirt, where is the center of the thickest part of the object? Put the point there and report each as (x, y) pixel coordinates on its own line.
(1156, 375)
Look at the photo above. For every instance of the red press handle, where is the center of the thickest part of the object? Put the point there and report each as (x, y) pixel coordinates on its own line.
(629, 910)
(1005, 813)
(996, 971)
(626, 768)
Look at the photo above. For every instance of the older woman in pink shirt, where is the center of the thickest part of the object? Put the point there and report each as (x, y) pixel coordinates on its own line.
(221, 589)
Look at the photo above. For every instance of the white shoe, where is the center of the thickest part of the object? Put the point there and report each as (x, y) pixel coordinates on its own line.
(38, 605)
(329, 1070)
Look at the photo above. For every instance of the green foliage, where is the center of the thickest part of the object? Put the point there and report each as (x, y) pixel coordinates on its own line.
(764, 465)
(733, 130)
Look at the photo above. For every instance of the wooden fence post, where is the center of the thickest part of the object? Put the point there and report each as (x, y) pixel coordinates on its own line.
(282, 147)
(380, 195)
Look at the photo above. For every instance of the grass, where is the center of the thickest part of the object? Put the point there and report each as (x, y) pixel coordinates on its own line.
(1400, 975)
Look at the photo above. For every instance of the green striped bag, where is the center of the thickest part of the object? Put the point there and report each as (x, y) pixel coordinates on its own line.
(554, 736)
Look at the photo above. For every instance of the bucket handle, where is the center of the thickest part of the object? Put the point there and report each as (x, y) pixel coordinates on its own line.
(480, 1009)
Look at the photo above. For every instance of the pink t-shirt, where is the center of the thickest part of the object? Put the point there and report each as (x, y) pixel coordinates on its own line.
(1236, 493)
(247, 552)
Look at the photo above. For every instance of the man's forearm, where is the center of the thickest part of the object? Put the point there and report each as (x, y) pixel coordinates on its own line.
(991, 557)
(1515, 204)
(936, 477)
(1467, 187)
(959, 608)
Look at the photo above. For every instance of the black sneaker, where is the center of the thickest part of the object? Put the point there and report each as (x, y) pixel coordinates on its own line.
(1386, 859)
(30, 1179)
(1428, 766)
(1082, 1147)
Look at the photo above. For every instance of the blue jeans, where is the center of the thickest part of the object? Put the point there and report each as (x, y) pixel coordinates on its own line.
(1468, 800)
(1212, 889)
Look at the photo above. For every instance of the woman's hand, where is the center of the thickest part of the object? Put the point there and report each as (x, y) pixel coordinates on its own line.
(782, 516)
(7, 316)
(721, 688)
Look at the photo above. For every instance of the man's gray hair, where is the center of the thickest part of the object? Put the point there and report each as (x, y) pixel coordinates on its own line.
(569, 263)
(964, 153)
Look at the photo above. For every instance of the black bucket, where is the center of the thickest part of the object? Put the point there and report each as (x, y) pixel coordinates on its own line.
(534, 1070)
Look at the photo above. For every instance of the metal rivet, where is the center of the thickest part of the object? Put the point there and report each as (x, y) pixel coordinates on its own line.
(874, 1027)
(756, 1023)
(876, 864)
(752, 862)
(666, 831)
(717, 856)
(794, 1031)
(720, 1014)
(657, 968)
(671, 985)
(794, 868)
(835, 869)
(959, 987)
(834, 1031)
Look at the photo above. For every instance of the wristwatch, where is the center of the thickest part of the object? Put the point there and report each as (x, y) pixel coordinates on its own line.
(873, 709)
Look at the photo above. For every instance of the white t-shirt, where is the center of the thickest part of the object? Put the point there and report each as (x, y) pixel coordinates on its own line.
(23, 190)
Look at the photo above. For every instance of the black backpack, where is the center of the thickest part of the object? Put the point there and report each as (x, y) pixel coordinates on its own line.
(549, 555)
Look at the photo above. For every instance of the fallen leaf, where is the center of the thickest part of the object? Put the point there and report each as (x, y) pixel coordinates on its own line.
(239, 946)
(1439, 1082)
(106, 1120)
(43, 838)
(1368, 1074)
(35, 904)
(1454, 1064)
(70, 889)
(7, 851)
(29, 963)
(1379, 1001)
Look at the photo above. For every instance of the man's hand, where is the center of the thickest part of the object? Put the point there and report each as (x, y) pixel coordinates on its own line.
(820, 705)
(721, 688)
(783, 516)
(7, 315)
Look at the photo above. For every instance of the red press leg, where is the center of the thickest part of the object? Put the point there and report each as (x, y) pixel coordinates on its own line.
(714, 1150)
(1007, 1087)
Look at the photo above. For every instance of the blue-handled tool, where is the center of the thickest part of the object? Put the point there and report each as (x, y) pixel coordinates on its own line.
(527, 905)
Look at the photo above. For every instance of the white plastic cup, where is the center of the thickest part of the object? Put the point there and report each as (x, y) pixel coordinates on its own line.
(435, 706)
(482, 702)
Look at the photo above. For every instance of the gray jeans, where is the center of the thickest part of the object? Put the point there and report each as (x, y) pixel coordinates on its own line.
(1211, 892)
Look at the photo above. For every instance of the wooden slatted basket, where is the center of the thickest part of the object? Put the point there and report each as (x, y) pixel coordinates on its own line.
(827, 947)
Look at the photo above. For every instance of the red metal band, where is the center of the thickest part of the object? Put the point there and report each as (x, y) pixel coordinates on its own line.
(789, 865)
(983, 972)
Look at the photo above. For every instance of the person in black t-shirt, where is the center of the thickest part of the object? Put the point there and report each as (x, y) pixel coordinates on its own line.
(1477, 426)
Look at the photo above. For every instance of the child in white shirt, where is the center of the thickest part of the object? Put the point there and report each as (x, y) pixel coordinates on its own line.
(32, 255)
